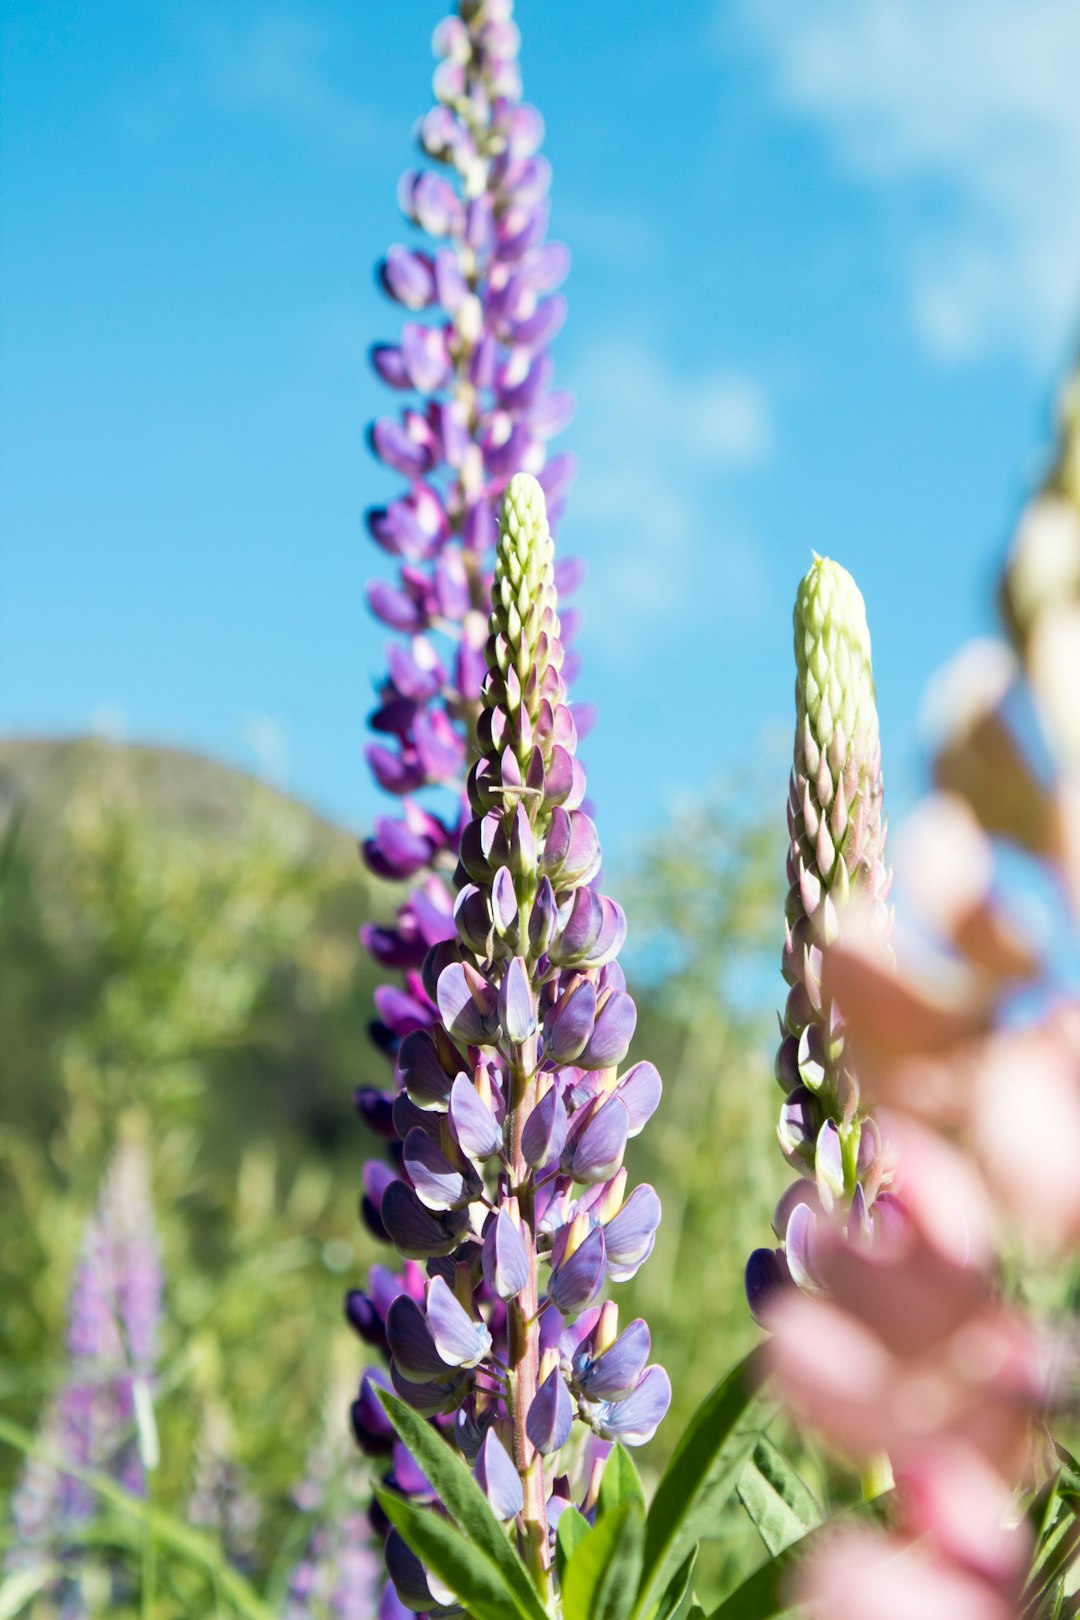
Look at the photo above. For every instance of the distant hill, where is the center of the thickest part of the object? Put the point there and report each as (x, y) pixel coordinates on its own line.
(169, 922)
(175, 785)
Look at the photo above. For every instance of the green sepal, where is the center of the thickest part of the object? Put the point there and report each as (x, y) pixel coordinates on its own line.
(781, 1507)
(620, 1483)
(458, 1562)
(700, 1477)
(572, 1530)
(464, 1501)
(602, 1576)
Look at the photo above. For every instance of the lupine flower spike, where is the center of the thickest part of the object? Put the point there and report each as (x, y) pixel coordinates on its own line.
(837, 826)
(103, 1416)
(481, 309)
(513, 1112)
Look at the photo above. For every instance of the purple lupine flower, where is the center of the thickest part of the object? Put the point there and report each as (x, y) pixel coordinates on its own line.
(836, 858)
(102, 1418)
(481, 308)
(517, 1115)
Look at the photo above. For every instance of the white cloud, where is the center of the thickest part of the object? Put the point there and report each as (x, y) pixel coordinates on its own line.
(657, 450)
(969, 110)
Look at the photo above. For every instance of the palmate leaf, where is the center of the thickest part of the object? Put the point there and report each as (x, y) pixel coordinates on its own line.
(764, 1594)
(602, 1575)
(699, 1478)
(467, 1506)
(781, 1507)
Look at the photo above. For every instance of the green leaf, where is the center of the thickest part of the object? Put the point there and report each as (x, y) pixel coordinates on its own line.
(678, 1588)
(602, 1576)
(619, 1484)
(472, 1577)
(23, 1585)
(781, 1506)
(465, 1502)
(573, 1528)
(699, 1478)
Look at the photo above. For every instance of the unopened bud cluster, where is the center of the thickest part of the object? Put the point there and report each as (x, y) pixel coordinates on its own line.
(836, 857)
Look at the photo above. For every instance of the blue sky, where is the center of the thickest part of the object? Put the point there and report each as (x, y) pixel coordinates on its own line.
(826, 274)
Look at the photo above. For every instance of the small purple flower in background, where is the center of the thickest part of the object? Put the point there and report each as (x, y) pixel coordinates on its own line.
(836, 860)
(341, 1574)
(513, 1115)
(103, 1416)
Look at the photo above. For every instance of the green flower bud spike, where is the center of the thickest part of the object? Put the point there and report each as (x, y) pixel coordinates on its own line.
(837, 826)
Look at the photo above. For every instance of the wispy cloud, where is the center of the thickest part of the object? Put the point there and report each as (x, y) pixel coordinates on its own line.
(278, 64)
(658, 450)
(969, 112)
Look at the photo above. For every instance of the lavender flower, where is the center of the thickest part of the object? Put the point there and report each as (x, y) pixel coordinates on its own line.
(103, 1416)
(513, 1113)
(837, 827)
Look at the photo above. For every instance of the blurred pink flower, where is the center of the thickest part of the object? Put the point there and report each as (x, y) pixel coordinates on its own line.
(868, 1573)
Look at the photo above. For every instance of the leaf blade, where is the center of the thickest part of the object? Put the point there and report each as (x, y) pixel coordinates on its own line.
(464, 1501)
(602, 1576)
(700, 1475)
(449, 1554)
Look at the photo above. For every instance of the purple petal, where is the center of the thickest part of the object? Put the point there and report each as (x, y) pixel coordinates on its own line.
(543, 918)
(498, 1478)
(506, 1265)
(798, 1122)
(639, 1090)
(426, 360)
(766, 1275)
(439, 1185)
(412, 1345)
(517, 1005)
(430, 1399)
(420, 1073)
(550, 1415)
(612, 1375)
(544, 1135)
(631, 1234)
(413, 1230)
(569, 1024)
(799, 1244)
(504, 903)
(408, 278)
(612, 1034)
(829, 1165)
(459, 1012)
(635, 1420)
(577, 1282)
(598, 1150)
(372, 1428)
(460, 1340)
(476, 1130)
